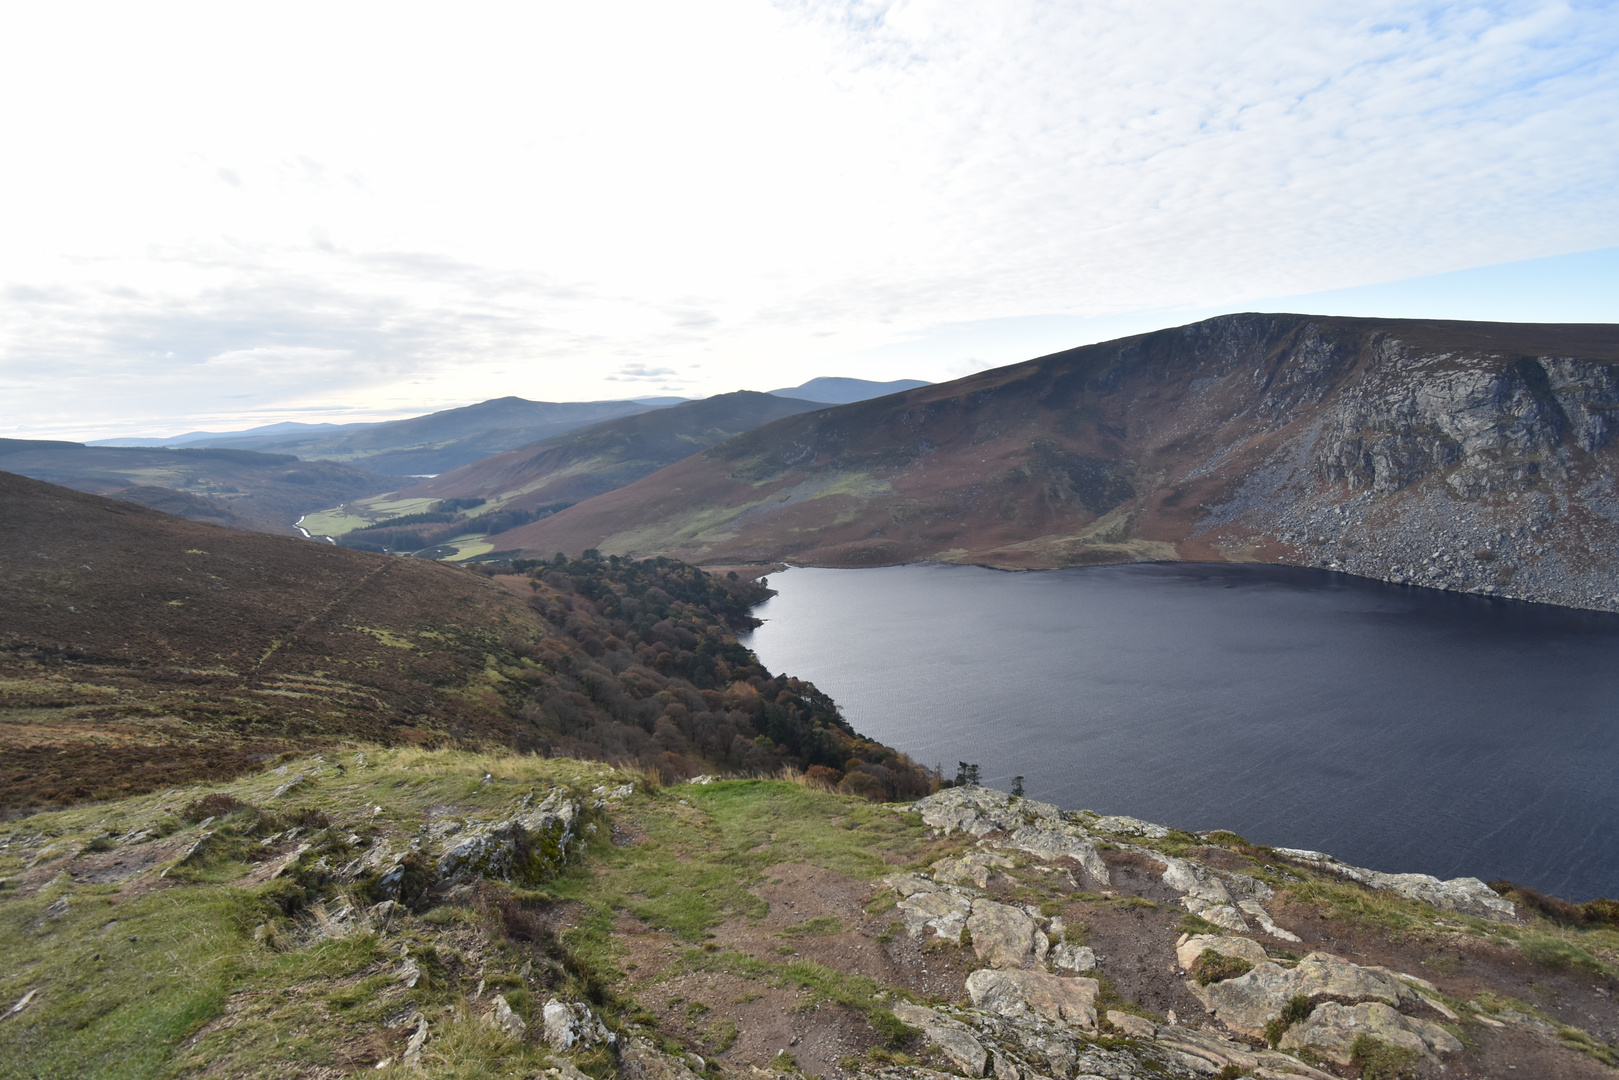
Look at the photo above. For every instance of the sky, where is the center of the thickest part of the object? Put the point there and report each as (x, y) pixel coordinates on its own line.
(218, 216)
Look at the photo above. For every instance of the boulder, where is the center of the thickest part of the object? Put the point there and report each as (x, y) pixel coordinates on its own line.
(1331, 1029)
(501, 1016)
(1256, 911)
(1067, 957)
(528, 846)
(1202, 892)
(1136, 1027)
(1190, 947)
(642, 1060)
(944, 911)
(964, 1051)
(1004, 936)
(974, 867)
(1019, 995)
(1247, 1003)
(1066, 842)
(1467, 895)
(979, 811)
(569, 1025)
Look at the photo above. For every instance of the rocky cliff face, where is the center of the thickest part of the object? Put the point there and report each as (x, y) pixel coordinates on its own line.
(1466, 456)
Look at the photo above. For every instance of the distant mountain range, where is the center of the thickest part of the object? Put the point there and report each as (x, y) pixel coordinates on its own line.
(241, 489)
(836, 391)
(588, 461)
(441, 441)
(1474, 456)
(431, 444)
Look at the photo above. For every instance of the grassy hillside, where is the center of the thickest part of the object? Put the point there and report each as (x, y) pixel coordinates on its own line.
(744, 928)
(239, 489)
(139, 650)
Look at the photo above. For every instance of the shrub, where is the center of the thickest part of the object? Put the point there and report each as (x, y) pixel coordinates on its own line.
(1298, 1008)
(216, 805)
(1214, 967)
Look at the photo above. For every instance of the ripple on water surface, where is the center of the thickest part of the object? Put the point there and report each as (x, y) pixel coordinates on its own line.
(1398, 728)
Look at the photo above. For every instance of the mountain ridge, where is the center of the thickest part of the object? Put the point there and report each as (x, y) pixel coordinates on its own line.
(1459, 455)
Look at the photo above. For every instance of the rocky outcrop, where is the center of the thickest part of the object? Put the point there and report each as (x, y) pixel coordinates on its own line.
(1005, 937)
(1020, 994)
(1249, 1002)
(1467, 895)
(1331, 1029)
(1040, 829)
(571, 1025)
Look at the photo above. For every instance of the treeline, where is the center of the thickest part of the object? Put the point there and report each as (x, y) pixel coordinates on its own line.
(644, 666)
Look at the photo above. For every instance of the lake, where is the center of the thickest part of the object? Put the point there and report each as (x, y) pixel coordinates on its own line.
(1397, 728)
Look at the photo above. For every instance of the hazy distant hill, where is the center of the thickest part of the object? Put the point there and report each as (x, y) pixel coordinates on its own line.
(587, 461)
(290, 428)
(238, 488)
(838, 391)
(435, 443)
(1475, 456)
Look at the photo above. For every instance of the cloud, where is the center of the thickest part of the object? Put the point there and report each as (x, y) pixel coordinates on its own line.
(548, 200)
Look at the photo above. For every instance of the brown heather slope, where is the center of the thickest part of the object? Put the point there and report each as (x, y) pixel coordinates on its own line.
(579, 464)
(1476, 456)
(139, 649)
(142, 651)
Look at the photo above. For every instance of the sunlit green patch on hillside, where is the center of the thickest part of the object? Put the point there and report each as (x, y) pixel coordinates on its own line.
(362, 512)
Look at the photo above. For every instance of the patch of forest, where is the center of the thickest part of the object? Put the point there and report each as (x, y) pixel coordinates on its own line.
(645, 666)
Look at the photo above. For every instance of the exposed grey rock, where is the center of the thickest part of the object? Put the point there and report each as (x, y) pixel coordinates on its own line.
(642, 1060)
(1005, 937)
(1331, 1030)
(1202, 892)
(1067, 957)
(1256, 911)
(1467, 895)
(974, 867)
(960, 1047)
(1119, 825)
(22, 1003)
(943, 910)
(500, 1015)
(1190, 947)
(527, 846)
(569, 1025)
(1069, 842)
(1024, 994)
(1247, 1003)
(413, 1049)
(980, 811)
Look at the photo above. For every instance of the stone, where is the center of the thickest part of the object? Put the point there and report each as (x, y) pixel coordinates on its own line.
(1202, 892)
(1331, 1029)
(501, 1016)
(980, 811)
(1025, 994)
(964, 1051)
(410, 973)
(1069, 957)
(1120, 825)
(1136, 1027)
(642, 1060)
(529, 845)
(1004, 936)
(570, 1025)
(1256, 911)
(945, 912)
(1247, 1003)
(1467, 895)
(1190, 947)
(1069, 842)
(22, 1003)
(974, 867)
(413, 1049)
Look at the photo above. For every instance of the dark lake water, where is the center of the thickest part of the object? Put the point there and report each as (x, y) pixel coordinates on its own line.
(1401, 729)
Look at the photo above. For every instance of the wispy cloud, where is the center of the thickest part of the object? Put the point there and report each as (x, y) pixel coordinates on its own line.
(548, 201)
